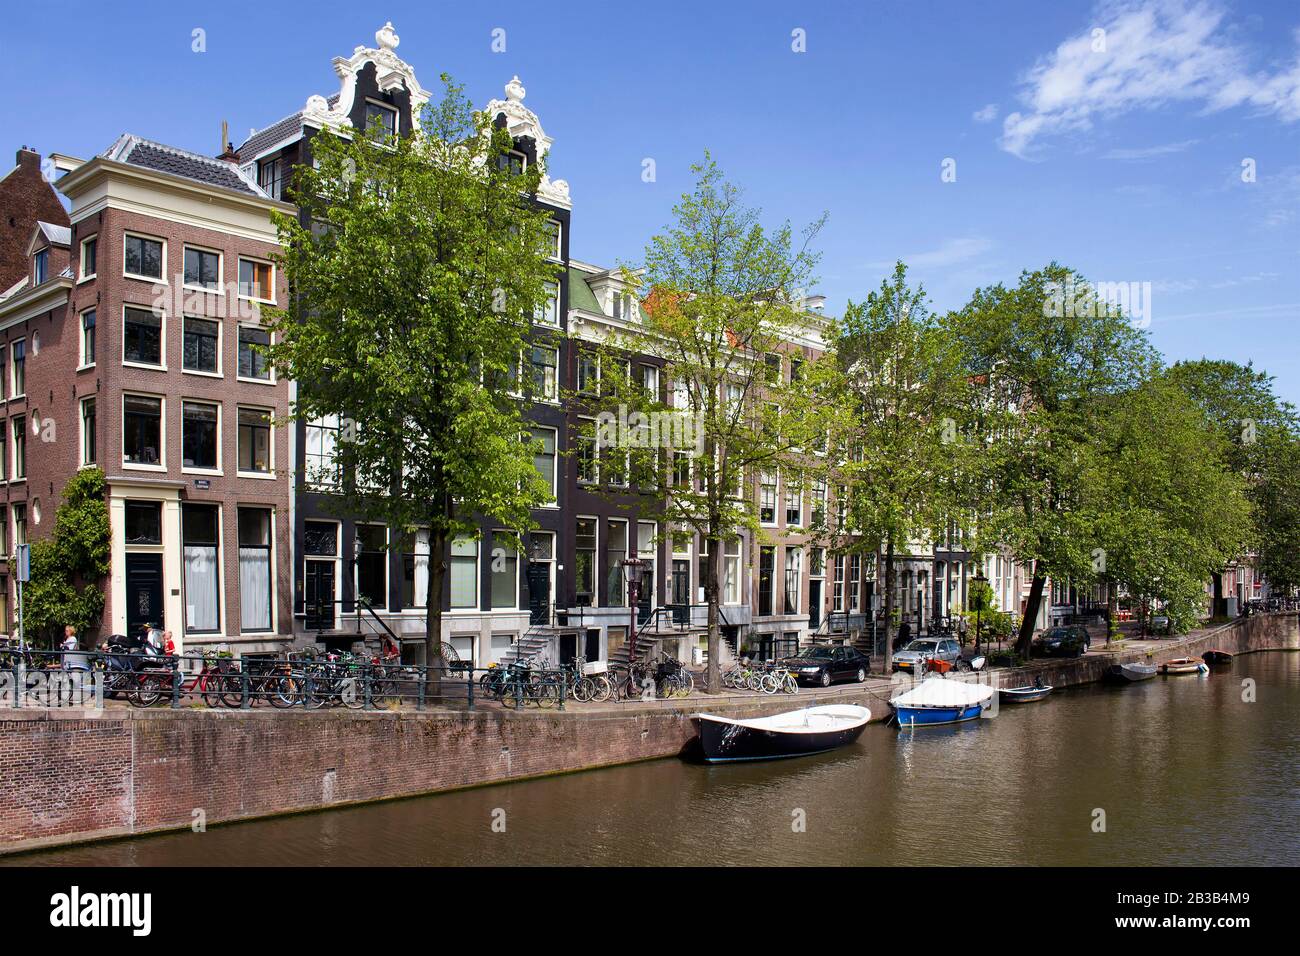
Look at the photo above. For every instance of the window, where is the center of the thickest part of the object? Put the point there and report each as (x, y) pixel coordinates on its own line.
(142, 337)
(837, 585)
(766, 575)
(4, 541)
(4, 453)
(549, 312)
(772, 367)
(650, 381)
(143, 522)
(256, 280)
(201, 346)
(202, 268)
(270, 176)
(252, 363)
(142, 430)
(512, 160)
(255, 569)
(372, 564)
(544, 458)
(588, 373)
(855, 581)
(767, 498)
(88, 431)
(793, 501)
(20, 524)
(199, 537)
(18, 370)
(254, 440)
(819, 502)
(731, 572)
(89, 247)
(585, 561)
(554, 241)
(88, 338)
(647, 550)
(381, 122)
(544, 363)
(504, 572)
(20, 447)
(588, 460)
(793, 571)
(615, 553)
(463, 573)
(321, 460)
(143, 258)
(41, 266)
(200, 435)
(415, 570)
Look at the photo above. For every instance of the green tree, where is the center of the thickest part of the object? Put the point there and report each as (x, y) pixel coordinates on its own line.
(1169, 510)
(415, 286)
(724, 295)
(1044, 355)
(899, 400)
(68, 566)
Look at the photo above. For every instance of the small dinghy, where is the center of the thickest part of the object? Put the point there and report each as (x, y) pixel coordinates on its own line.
(1130, 673)
(1184, 665)
(1025, 694)
(940, 701)
(1214, 657)
(795, 733)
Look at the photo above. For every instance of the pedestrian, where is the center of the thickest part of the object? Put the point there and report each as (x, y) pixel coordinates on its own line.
(70, 642)
(961, 630)
(169, 645)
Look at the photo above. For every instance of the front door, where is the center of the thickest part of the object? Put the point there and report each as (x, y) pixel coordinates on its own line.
(144, 592)
(539, 591)
(814, 603)
(318, 595)
(568, 648)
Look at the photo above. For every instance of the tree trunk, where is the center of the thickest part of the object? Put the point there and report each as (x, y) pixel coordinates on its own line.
(1219, 606)
(1026, 636)
(433, 613)
(890, 603)
(1112, 607)
(713, 676)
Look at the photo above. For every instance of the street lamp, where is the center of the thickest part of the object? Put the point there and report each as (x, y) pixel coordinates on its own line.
(980, 597)
(633, 573)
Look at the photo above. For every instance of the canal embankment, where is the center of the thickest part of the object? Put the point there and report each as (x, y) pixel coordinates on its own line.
(69, 777)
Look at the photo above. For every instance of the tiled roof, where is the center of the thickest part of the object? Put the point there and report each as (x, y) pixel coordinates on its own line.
(179, 162)
(580, 294)
(261, 140)
(55, 235)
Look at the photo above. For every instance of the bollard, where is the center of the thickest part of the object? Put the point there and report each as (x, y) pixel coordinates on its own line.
(564, 687)
(423, 682)
(244, 702)
(367, 702)
(469, 686)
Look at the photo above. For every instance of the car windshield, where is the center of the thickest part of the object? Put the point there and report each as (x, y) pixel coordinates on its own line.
(815, 653)
(1058, 634)
(922, 646)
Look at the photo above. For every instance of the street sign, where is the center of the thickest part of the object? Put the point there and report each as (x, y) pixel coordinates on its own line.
(24, 563)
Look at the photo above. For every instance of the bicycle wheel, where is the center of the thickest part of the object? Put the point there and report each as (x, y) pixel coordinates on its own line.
(584, 689)
(769, 684)
(600, 688)
(284, 691)
(147, 692)
(231, 690)
(789, 684)
(208, 685)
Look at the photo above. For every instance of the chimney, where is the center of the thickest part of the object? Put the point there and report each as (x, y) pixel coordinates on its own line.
(28, 157)
(227, 148)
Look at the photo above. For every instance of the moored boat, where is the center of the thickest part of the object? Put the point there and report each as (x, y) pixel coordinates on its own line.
(1023, 695)
(795, 733)
(1216, 656)
(940, 701)
(1183, 665)
(1130, 673)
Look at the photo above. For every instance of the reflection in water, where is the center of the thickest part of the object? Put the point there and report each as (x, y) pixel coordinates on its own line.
(1186, 772)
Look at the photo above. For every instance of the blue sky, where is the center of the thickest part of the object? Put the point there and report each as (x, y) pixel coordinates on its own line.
(1124, 162)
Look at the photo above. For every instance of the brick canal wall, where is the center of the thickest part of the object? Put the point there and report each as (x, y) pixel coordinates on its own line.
(70, 777)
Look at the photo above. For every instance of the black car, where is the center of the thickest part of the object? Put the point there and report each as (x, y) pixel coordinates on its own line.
(1061, 642)
(824, 664)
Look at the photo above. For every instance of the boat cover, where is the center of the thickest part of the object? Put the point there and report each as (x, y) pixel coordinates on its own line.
(940, 692)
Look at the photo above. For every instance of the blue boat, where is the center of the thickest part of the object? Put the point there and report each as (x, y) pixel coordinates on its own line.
(941, 701)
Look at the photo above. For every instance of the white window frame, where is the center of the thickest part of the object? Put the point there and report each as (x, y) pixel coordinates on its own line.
(221, 341)
(81, 430)
(162, 432)
(252, 298)
(478, 576)
(323, 424)
(555, 461)
(270, 380)
(82, 364)
(221, 269)
(732, 590)
(220, 407)
(549, 314)
(13, 369)
(83, 275)
(131, 234)
(519, 559)
(268, 475)
(162, 338)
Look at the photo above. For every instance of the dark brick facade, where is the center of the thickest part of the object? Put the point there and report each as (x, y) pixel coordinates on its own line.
(25, 198)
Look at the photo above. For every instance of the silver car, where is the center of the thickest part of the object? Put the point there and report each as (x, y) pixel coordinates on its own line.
(915, 654)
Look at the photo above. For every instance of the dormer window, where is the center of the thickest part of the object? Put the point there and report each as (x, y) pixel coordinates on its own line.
(386, 117)
(271, 178)
(42, 266)
(514, 161)
(624, 306)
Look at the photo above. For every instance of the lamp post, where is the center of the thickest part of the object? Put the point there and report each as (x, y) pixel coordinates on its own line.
(980, 597)
(633, 574)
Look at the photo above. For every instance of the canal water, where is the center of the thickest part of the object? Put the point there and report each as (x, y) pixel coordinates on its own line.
(1182, 770)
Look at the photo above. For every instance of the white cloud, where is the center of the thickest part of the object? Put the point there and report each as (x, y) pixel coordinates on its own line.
(985, 114)
(949, 252)
(1149, 152)
(1154, 52)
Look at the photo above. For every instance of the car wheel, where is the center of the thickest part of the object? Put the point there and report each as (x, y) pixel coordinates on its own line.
(826, 678)
(862, 675)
